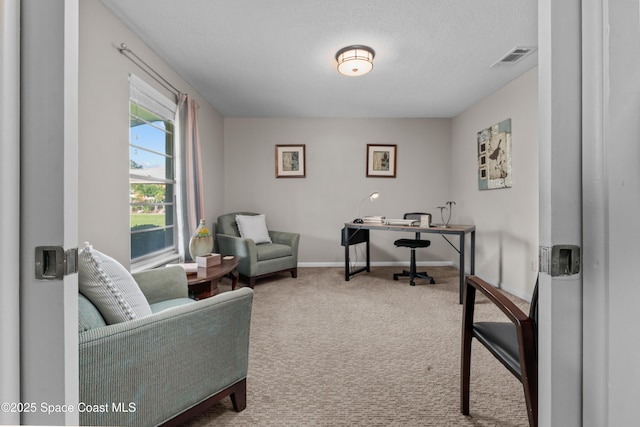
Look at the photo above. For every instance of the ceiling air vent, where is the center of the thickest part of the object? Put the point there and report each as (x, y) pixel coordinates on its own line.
(515, 55)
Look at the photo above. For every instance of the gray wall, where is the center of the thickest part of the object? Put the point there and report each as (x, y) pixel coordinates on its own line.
(104, 132)
(318, 206)
(506, 219)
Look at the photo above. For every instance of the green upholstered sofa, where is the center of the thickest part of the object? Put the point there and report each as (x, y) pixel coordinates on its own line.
(258, 260)
(165, 367)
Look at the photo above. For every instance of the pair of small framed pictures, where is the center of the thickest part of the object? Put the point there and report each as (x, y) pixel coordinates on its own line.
(291, 161)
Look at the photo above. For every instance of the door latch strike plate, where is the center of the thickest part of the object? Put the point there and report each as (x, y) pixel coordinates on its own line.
(53, 262)
(560, 260)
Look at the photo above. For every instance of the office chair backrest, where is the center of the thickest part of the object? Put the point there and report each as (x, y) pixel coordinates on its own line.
(417, 216)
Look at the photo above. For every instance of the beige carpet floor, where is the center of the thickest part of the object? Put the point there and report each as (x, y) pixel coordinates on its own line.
(368, 352)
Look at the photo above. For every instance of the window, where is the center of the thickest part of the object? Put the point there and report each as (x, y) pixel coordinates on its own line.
(152, 182)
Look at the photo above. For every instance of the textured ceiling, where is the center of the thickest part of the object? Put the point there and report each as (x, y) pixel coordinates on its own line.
(276, 58)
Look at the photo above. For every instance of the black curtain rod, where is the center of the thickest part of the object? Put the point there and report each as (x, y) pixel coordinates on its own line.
(148, 69)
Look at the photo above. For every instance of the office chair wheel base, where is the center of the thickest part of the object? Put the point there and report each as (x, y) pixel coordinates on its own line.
(395, 277)
(432, 281)
(412, 283)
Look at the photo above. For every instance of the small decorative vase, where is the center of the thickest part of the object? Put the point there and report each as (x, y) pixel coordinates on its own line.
(201, 242)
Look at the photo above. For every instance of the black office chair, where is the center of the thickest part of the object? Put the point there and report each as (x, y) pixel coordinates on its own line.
(513, 343)
(413, 244)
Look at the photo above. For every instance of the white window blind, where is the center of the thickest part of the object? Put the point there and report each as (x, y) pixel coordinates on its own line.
(143, 94)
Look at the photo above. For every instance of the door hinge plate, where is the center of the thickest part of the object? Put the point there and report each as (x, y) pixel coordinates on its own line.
(53, 262)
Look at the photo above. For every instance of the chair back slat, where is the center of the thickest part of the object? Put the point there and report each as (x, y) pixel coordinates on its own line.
(533, 315)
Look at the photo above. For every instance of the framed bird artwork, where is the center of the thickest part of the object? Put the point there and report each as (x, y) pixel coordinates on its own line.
(494, 156)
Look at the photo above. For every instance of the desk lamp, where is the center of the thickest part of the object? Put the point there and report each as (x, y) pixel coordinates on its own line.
(371, 197)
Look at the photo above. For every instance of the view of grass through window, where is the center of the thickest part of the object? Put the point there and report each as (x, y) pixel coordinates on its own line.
(151, 183)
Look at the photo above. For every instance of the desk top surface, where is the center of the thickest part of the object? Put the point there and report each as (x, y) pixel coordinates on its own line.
(450, 229)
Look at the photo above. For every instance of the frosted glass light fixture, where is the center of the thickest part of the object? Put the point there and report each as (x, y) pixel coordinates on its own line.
(355, 60)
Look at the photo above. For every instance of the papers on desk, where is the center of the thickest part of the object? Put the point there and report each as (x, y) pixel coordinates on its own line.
(390, 221)
(406, 222)
(373, 219)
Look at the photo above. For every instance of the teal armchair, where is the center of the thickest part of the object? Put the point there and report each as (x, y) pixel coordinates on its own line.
(258, 260)
(165, 367)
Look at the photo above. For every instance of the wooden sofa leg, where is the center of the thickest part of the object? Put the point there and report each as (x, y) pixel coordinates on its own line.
(239, 396)
(237, 392)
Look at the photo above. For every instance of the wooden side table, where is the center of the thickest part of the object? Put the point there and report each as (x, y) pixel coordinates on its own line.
(204, 283)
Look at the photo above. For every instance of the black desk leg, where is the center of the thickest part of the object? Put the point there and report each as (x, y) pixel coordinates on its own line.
(345, 239)
(354, 236)
(368, 254)
(461, 251)
(472, 259)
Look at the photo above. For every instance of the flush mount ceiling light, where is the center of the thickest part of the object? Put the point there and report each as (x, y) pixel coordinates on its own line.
(356, 60)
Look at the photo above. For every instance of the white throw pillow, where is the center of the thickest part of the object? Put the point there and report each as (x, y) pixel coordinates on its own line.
(110, 287)
(253, 227)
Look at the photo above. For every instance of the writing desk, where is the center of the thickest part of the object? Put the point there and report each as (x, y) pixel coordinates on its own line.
(359, 233)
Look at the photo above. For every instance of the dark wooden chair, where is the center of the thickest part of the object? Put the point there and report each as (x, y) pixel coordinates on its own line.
(513, 343)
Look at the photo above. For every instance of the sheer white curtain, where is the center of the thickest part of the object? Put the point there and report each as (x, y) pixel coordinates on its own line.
(190, 191)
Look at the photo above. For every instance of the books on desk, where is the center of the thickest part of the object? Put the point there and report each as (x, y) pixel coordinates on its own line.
(373, 219)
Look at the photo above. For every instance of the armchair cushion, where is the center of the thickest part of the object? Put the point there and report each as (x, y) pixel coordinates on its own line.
(275, 250)
(163, 284)
(110, 287)
(88, 315)
(253, 227)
